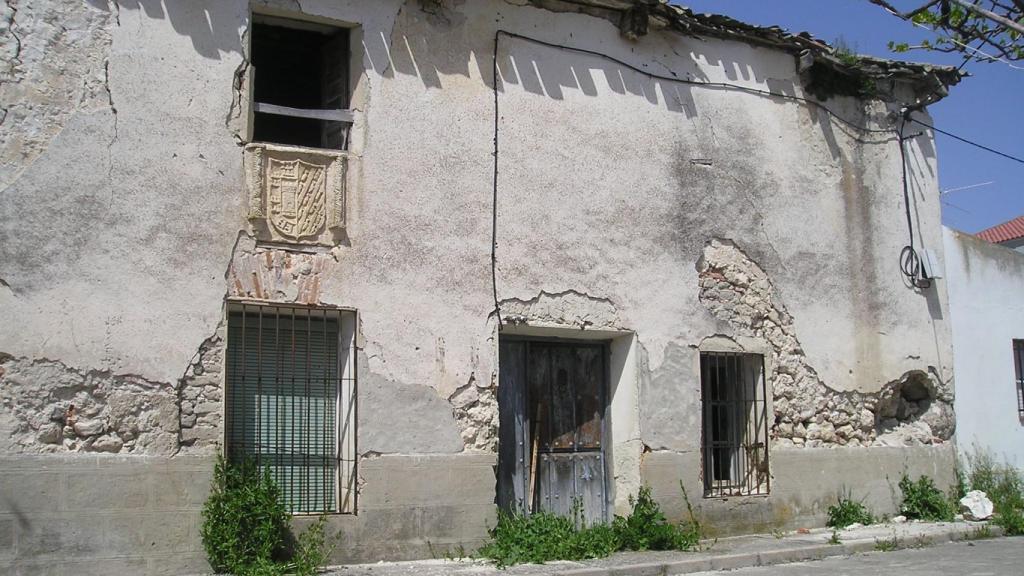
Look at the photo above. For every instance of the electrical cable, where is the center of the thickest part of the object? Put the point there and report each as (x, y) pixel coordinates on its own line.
(722, 85)
(494, 200)
(910, 260)
(966, 141)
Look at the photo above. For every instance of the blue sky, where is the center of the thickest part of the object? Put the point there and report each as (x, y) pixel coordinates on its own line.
(985, 107)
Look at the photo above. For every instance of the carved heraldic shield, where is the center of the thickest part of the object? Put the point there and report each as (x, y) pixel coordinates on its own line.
(296, 197)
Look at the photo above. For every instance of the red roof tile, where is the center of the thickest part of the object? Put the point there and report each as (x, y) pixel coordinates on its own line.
(1004, 232)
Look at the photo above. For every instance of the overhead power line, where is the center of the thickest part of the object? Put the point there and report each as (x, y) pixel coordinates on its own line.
(966, 141)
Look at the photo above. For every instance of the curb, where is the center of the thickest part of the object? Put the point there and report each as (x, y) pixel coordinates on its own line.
(784, 556)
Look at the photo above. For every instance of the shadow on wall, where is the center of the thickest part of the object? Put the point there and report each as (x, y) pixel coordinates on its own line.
(214, 26)
(434, 43)
(421, 46)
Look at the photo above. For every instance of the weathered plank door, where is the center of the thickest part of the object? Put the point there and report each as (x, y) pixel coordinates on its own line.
(552, 405)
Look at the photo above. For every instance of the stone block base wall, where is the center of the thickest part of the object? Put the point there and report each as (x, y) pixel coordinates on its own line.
(413, 507)
(86, 514)
(102, 514)
(804, 483)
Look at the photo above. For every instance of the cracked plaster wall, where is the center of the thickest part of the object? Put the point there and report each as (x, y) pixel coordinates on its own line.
(124, 226)
(103, 241)
(124, 223)
(120, 195)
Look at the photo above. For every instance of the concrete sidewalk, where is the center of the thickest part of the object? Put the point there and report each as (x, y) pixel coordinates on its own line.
(724, 554)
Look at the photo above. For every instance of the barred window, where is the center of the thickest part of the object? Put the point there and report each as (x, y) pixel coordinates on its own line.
(291, 401)
(1018, 366)
(735, 424)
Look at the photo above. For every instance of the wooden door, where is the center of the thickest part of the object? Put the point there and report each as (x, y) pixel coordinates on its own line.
(552, 405)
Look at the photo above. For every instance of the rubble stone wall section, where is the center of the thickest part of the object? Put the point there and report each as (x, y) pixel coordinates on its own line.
(201, 397)
(914, 409)
(476, 410)
(49, 407)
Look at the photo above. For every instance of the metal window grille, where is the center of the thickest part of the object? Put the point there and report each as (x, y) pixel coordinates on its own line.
(1018, 365)
(291, 401)
(735, 424)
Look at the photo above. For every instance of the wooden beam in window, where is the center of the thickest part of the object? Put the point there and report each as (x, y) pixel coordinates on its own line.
(335, 115)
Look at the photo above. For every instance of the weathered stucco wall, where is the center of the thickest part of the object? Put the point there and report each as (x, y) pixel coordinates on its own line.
(666, 212)
(985, 303)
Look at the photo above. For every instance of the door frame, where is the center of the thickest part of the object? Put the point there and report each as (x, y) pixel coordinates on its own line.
(606, 400)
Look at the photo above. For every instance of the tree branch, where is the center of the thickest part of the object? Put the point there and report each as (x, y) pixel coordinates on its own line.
(1002, 20)
(908, 15)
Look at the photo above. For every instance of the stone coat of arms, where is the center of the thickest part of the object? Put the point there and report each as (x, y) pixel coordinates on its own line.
(296, 195)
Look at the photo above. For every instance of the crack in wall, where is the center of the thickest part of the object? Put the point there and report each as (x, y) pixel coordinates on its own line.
(39, 102)
(113, 110)
(11, 24)
(238, 86)
(914, 409)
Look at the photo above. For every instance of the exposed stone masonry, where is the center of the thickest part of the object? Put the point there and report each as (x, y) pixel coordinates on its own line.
(908, 411)
(476, 410)
(268, 273)
(201, 394)
(50, 407)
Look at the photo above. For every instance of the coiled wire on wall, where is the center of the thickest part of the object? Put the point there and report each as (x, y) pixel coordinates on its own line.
(910, 261)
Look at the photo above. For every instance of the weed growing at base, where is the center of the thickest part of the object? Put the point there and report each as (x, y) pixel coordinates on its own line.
(848, 511)
(923, 501)
(887, 544)
(543, 537)
(246, 526)
(1004, 486)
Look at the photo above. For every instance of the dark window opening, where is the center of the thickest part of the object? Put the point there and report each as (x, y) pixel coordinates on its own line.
(735, 424)
(300, 83)
(1018, 365)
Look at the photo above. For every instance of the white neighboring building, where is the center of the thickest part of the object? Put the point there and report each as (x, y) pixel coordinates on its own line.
(1009, 234)
(985, 283)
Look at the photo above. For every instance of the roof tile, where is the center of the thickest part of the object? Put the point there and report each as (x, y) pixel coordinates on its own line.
(1004, 232)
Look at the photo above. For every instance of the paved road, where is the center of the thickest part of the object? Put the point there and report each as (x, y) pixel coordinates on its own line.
(996, 557)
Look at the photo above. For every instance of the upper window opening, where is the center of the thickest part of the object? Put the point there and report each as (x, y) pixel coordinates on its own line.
(735, 424)
(300, 83)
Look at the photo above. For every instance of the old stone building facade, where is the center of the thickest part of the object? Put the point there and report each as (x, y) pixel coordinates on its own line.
(429, 256)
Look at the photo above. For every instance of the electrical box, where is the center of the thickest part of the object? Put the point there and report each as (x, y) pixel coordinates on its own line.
(931, 267)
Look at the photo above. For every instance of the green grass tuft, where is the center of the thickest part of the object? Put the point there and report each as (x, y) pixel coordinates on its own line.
(923, 501)
(1004, 486)
(848, 511)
